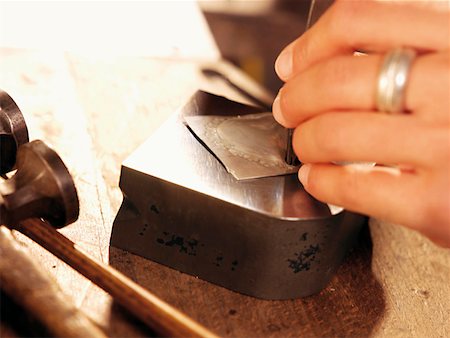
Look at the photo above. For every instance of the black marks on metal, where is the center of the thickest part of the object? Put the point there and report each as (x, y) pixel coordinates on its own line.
(177, 241)
(154, 209)
(192, 244)
(295, 241)
(303, 259)
(143, 230)
(186, 246)
(232, 312)
(219, 260)
(161, 240)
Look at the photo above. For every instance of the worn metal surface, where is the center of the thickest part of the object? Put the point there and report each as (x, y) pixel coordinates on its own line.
(13, 132)
(42, 187)
(265, 238)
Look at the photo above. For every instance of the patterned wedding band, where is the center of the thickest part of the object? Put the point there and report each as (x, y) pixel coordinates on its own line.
(390, 97)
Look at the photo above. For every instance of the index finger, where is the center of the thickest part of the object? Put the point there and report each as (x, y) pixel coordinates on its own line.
(374, 26)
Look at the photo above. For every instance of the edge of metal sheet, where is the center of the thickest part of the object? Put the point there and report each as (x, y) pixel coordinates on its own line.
(265, 238)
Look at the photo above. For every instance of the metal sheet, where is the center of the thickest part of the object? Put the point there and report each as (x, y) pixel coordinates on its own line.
(264, 237)
(249, 146)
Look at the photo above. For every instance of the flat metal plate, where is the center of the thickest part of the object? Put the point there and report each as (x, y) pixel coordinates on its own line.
(249, 146)
(264, 237)
(175, 155)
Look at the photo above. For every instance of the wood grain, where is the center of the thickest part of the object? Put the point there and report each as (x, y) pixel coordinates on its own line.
(35, 290)
(95, 112)
(158, 315)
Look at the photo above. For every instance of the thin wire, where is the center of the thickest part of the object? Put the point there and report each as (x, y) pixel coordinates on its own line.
(311, 8)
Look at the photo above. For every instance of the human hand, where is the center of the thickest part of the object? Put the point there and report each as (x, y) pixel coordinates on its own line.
(330, 99)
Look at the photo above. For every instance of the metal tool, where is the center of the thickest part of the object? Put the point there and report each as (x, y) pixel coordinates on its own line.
(265, 237)
(42, 188)
(291, 158)
(209, 71)
(42, 185)
(13, 132)
(37, 292)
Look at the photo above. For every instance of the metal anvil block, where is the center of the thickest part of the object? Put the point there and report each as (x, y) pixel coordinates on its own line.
(265, 237)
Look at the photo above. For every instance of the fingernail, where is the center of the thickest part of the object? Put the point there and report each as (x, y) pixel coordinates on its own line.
(276, 110)
(283, 64)
(303, 174)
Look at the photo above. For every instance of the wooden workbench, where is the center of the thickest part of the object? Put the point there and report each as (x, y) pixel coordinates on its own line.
(95, 112)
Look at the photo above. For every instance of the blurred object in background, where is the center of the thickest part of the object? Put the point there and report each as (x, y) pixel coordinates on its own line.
(108, 29)
(251, 34)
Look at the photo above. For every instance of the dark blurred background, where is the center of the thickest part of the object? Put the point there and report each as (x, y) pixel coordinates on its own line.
(251, 33)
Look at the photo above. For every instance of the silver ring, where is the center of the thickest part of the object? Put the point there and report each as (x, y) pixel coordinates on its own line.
(392, 79)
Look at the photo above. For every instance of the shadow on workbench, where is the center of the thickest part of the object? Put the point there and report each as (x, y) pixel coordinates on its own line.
(350, 306)
(18, 322)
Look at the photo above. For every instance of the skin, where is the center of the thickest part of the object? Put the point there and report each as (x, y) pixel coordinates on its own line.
(329, 98)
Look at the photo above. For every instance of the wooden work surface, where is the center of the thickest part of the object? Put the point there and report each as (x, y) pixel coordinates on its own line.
(95, 112)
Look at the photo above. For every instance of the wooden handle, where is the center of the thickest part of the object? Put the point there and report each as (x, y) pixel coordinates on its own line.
(34, 289)
(157, 314)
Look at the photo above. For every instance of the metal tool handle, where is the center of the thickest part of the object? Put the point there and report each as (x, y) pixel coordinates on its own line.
(160, 316)
(34, 289)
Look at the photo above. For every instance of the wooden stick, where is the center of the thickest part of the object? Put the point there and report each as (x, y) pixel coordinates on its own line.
(157, 314)
(35, 290)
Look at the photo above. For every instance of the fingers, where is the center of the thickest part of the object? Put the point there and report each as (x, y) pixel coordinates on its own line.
(357, 188)
(427, 92)
(355, 25)
(383, 193)
(330, 98)
(345, 82)
(367, 137)
(349, 83)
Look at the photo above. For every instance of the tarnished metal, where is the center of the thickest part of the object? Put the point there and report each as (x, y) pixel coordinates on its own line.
(13, 132)
(41, 188)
